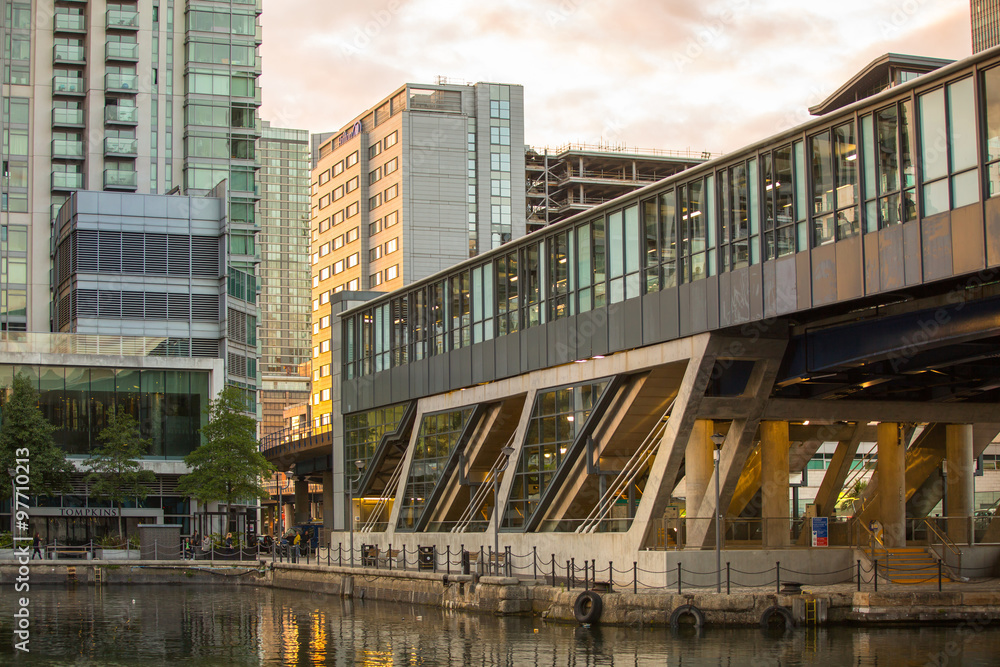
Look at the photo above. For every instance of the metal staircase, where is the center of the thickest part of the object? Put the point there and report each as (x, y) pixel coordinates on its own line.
(482, 491)
(383, 501)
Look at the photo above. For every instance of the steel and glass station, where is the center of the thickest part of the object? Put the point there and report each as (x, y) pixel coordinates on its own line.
(587, 388)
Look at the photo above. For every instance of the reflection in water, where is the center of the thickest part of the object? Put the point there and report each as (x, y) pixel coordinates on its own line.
(160, 625)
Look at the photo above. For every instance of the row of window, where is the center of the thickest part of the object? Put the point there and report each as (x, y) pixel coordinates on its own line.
(336, 268)
(338, 168)
(352, 285)
(388, 141)
(872, 169)
(343, 214)
(379, 198)
(384, 170)
(377, 278)
(339, 192)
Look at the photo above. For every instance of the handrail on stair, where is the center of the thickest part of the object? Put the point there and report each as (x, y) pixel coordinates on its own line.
(945, 540)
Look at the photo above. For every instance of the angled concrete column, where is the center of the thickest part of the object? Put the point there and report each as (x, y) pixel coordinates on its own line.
(836, 474)
(891, 485)
(961, 468)
(774, 483)
(699, 467)
(301, 500)
(328, 500)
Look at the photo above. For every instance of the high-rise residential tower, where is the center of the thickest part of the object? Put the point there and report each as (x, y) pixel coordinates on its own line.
(284, 270)
(426, 178)
(985, 24)
(126, 96)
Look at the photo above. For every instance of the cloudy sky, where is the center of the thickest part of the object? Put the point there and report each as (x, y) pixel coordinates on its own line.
(678, 74)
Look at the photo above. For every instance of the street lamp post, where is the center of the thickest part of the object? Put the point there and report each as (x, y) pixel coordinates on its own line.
(350, 502)
(501, 466)
(718, 439)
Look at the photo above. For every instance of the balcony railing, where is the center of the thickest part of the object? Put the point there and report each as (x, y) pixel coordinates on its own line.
(119, 114)
(121, 178)
(70, 22)
(129, 82)
(62, 85)
(65, 180)
(127, 20)
(67, 116)
(68, 53)
(121, 51)
(67, 148)
(120, 146)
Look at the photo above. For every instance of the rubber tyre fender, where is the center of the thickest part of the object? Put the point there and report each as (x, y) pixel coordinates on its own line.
(769, 613)
(588, 607)
(686, 609)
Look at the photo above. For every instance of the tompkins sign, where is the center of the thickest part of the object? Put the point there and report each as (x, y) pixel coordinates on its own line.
(99, 512)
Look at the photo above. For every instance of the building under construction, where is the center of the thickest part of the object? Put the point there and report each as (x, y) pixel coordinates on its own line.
(576, 177)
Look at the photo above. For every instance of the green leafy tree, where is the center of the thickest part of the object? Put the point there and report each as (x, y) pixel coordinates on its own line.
(26, 433)
(229, 466)
(115, 471)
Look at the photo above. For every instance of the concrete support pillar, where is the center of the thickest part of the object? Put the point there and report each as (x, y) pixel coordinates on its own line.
(774, 483)
(698, 463)
(328, 500)
(698, 469)
(891, 485)
(288, 520)
(961, 468)
(301, 500)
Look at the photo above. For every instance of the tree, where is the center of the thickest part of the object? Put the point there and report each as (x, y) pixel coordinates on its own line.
(228, 466)
(25, 430)
(115, 471)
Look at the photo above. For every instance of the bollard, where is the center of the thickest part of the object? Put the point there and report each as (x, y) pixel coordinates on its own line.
(611, 576)
(635, 578)
(727, 577)
(154, 551)
(569, 582)
(586, 576)
(939, 575)
(534, 562)
(678, 578)
(553, 570)
(328, 556)
(593, 571)
(859, 575)
(573, 572)
(447, 555)
(340, 554)
(481, 565)
(875, 574)
(506, 560)
(388, 555)
(777, 579)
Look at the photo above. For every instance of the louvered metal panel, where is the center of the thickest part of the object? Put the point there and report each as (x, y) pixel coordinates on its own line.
(156, 306)
(86, 251)
(205, 307)
(178, 306)
(109, 303)
(205, 347)
(156, 254)
(109, 256)
(86, 303)
(205, 256)
(133, 252)
(178, 255)
(132, 305)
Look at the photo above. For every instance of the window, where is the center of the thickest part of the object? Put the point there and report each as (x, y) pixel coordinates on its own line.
(374, 149)
(375, 227)
(499, 161)
(324, 273)
(324, 201)
(324, 322)
(779, 214)
(375, 279)
(390, 219)
(324, 225)
(315, 305)
(316, 281)
(374, 253)
(315, 328)
(338, 217)
(390, 166)
(390, 139)
(352, 260)
(338, 242)
(834, 180)
(352, 235)
(324, 250)
(352, 184)
(351, 160)
(392, 272)
(324, 177)
(948, 160)
(374, 175)
(352, 210)
(338, 267)
(338, 168)
(391, 192)
(338, 192)
(353, 285)
(890, 176)
(500, 136)
(324, 298)
(391, 246)
(324, 346)
(499, 109)
(375, 202)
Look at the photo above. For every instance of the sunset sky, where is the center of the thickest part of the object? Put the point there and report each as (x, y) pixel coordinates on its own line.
(710, 75)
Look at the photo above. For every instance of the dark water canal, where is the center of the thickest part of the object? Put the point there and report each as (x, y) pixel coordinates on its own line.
(176, 625)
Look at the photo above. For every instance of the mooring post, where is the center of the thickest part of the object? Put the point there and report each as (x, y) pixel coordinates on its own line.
(859, 575)
(611, 576)
(534, 562)
(635, 578)
(777, 578)
(678, 578)
(727, 577)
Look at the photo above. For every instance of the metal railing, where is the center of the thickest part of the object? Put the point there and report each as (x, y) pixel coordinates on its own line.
(631, 470)
(383, 501)
(482, 494)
